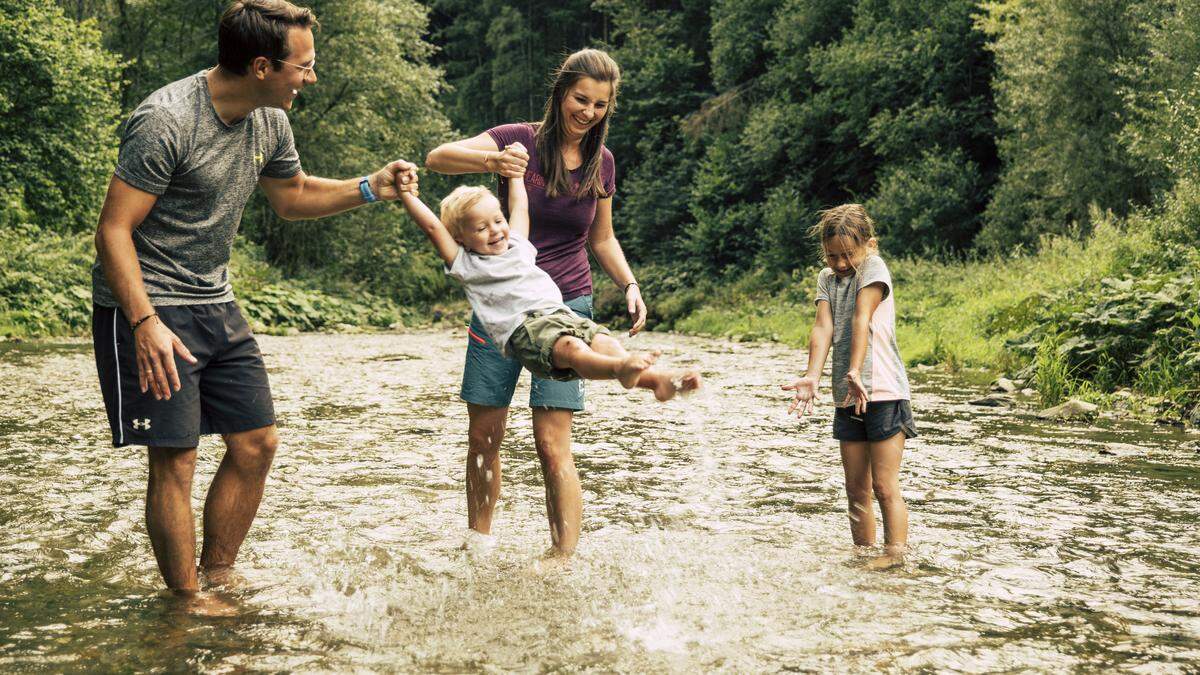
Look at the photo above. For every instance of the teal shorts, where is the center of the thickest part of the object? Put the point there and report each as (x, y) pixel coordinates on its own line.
(490, 379)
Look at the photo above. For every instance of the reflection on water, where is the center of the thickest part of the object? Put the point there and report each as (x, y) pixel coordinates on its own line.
(715, 531)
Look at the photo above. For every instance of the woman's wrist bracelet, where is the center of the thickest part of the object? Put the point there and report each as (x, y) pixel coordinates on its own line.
(632, 283)
(133, 329)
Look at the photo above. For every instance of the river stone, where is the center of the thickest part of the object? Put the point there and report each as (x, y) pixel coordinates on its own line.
(1005, 385)
(1072, 409)
(993, 401)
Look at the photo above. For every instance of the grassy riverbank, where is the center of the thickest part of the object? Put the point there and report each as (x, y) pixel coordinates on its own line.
(45, 291)
(1083, 318)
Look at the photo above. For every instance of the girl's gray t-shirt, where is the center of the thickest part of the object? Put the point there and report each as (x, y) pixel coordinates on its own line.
(882, 372)
(203, 172)
(504, 289)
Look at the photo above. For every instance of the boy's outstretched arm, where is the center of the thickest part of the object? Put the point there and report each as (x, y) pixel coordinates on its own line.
(438, 235)
(805, 388)
(518, 201)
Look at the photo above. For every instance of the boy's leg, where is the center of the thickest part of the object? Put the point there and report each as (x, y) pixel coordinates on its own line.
(885, 481)
(856, 464)
(590, 364)
(662, 383)
(486, 430)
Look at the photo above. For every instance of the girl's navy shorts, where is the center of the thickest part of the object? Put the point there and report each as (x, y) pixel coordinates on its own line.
(882, 420)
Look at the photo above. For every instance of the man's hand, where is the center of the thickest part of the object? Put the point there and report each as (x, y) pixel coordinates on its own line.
(509, 162)
(398, 176)
(805, 394)
(156, 347)
(858, 396)
(636, 308)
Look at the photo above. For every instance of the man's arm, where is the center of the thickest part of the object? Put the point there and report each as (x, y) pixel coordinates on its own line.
(303, 197)
(429, 223)
(518, 200)
(125, 207)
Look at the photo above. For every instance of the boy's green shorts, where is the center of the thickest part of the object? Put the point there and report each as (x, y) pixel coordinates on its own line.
(533, 341)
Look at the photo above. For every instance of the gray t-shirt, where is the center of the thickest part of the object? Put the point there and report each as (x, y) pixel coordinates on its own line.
(505, 289)
(883, 370)
(203, 171)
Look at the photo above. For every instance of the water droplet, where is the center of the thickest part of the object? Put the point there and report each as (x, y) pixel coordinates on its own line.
(488, 475)
(855, 518)
(479, 461)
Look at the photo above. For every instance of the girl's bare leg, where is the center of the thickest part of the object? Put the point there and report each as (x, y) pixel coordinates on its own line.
(885, 472)
(856, 463)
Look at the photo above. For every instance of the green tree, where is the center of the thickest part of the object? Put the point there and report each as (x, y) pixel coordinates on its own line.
(58, 115)
(1061, 109)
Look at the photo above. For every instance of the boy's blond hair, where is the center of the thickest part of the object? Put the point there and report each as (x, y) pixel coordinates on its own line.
(458, 203)
(848, 220)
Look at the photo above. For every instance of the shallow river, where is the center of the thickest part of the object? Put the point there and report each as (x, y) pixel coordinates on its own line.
(715, 531)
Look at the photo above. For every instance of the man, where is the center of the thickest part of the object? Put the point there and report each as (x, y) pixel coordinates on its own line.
(175, 357)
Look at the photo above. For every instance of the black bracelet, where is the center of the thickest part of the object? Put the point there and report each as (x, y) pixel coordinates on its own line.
(632, 283)
(142, 321)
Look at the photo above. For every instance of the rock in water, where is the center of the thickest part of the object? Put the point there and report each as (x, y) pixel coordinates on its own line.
(1005, 385)
(993, 401)
(1072, 409)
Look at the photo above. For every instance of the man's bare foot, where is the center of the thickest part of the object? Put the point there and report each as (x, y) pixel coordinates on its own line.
(222, 577)
(206, 604)
(631, 369)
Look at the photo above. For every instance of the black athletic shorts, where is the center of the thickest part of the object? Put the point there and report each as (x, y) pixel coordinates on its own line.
(224, 392)
(882, 420)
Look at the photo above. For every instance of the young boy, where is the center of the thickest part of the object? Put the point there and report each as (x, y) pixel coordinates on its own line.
(519, 305)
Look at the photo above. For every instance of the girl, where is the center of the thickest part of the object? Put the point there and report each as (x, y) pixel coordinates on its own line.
(856, 316)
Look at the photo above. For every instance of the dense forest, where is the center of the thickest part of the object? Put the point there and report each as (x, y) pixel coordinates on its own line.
(1031, 164)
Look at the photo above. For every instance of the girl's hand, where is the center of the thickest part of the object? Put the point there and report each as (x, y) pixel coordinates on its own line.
(805, 395)
(858, 396)
(636, 308)
(509, 162)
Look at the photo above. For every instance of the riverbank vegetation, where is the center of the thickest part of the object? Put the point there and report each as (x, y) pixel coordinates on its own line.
(1031, 164)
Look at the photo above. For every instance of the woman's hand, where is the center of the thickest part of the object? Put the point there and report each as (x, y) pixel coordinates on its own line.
(509, 162)
(858, 396)
(805, 394)
(636, 308)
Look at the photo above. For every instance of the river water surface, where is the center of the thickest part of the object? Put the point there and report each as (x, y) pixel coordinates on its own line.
(715, 531)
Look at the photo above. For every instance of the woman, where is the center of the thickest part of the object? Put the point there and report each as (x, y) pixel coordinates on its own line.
(571, 179)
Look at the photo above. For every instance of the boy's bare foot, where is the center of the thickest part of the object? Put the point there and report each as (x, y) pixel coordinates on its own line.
(631, 369)
(690, 381)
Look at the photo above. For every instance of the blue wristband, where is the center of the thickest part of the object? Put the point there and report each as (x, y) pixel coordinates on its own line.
(364, 186)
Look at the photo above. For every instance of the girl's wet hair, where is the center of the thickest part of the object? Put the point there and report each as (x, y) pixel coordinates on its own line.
(848, 220)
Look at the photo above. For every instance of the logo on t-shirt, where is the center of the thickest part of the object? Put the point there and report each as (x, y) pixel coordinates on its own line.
(534, 178)
(258, 161)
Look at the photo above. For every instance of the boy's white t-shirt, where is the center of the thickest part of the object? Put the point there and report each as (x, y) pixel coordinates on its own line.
(882, 371)
(504, 289)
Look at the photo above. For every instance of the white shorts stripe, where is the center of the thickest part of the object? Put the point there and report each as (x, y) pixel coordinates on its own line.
(117, 364)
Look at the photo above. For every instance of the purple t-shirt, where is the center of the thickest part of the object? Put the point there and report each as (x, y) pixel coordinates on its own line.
(558, 227)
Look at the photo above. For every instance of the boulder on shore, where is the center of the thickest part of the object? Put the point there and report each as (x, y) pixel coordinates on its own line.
(1005, 385)
(1072, 409)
